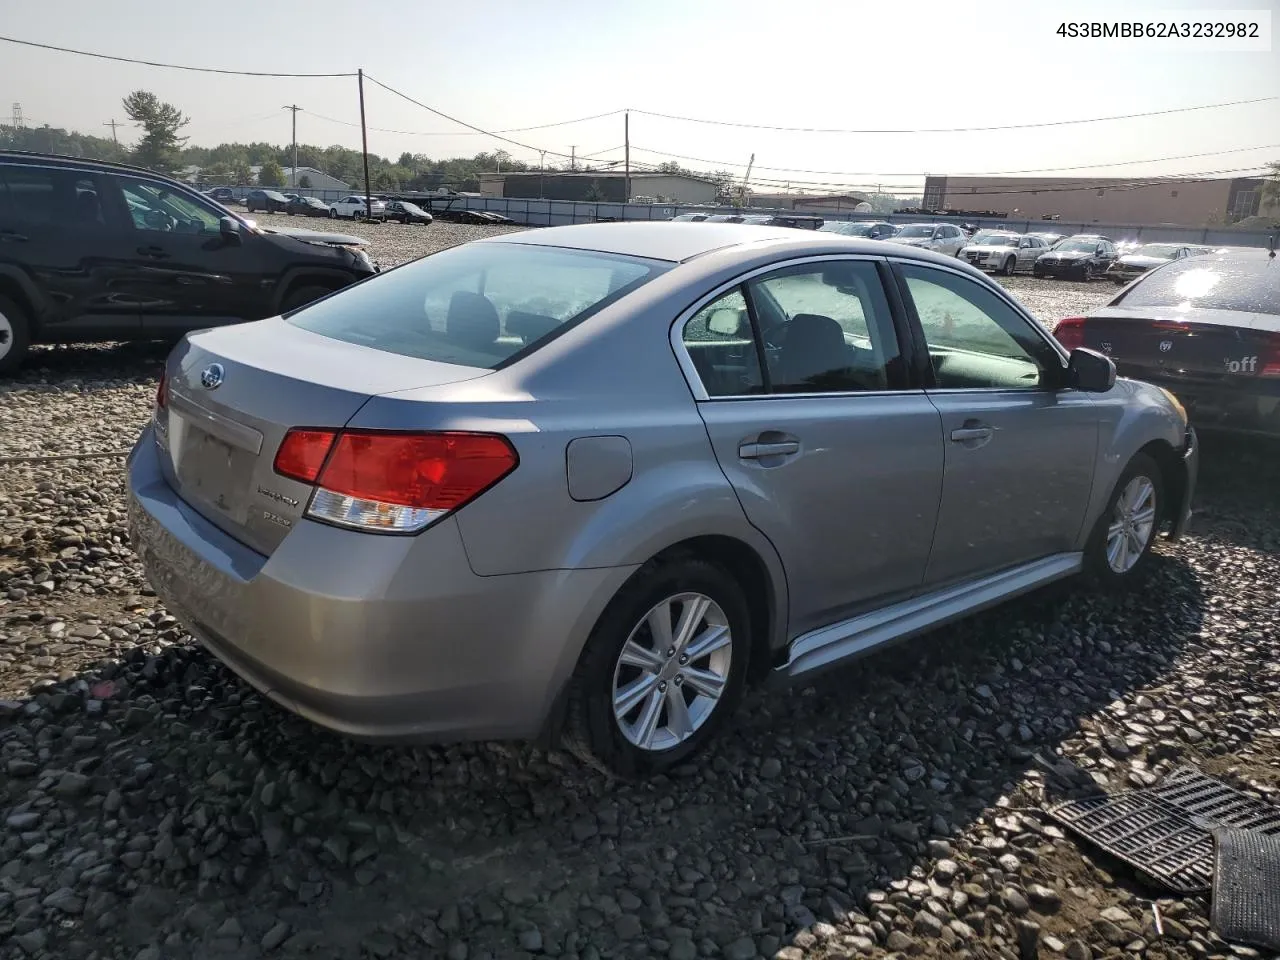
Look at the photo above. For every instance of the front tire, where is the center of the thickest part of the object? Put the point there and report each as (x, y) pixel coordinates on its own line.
(1119, 549)
(664, 667)
(15, 335)
(333, 214)
(1010, 264)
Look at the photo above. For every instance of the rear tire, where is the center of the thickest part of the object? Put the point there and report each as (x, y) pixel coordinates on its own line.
(333, 214)
(1119, 549)
(15, 335)
(618, 741)
(303, 295)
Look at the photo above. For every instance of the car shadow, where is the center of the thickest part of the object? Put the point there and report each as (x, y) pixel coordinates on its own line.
(172, 799)
(1235, 498)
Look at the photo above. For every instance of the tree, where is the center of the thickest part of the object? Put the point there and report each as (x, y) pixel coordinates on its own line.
(305, 182)
(1270, 196)
(159, 147)
(270, 175)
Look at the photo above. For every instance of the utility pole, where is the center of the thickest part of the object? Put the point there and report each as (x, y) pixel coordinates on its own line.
(626, 141)
(573, 158)
(295, 108)
(112, 124)
(364, 144)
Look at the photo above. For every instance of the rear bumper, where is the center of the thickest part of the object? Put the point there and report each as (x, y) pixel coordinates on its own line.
(379, 638)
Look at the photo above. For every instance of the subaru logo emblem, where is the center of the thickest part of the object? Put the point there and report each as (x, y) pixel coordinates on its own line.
(211, 376)
(1165, 347)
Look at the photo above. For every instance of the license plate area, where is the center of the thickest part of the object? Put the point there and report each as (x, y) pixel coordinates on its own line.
(214, 472)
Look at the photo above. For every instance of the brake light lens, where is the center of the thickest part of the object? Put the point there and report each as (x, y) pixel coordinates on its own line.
(1270, 365)
(1070, 332)
(302, 453)
(390, 482)
(162, 391)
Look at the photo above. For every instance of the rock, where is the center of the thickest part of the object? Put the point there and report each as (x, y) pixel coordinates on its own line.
(65, 900)
(22, 821)
(17, 767)
(926, 924)
(1044, 899)
(1014, 900)
(944, 871)
(627, 927)
(275, 936)
(71, 785)
(770, 768)
(744, 948)
(1028, 932)
(939, 849)
(229, 928)
(31, 942)
(531, 940)
(1078, 950)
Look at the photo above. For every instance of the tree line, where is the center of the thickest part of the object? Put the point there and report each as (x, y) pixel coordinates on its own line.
(164, 149)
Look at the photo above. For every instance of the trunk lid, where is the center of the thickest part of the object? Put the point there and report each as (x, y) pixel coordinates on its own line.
(233, 393)
(1218, 347)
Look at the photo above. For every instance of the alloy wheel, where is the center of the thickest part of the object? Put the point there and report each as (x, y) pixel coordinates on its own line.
(672, 671)
(1132, 524)
(6, 336)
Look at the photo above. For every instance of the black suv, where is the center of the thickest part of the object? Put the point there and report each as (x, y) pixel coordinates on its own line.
(268, 201)
(93, 251)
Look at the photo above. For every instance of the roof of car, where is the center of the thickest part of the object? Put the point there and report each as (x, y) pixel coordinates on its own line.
(57, 159)
(678, 242)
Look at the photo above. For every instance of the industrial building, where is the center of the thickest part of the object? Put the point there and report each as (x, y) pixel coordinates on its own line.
(598, 185)
(1151, 200)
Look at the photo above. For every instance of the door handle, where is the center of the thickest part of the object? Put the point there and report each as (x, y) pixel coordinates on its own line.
(755, 451)
(971, 433)
(156, 253)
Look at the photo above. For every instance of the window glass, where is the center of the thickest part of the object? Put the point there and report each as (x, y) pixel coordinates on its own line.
(1250, 284)
(826, 327)
(154, 207)
(975, 339)
(475, 304)
(32, 193)
(718, 338)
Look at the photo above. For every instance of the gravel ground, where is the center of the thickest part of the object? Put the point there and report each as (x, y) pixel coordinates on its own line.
(154, 807)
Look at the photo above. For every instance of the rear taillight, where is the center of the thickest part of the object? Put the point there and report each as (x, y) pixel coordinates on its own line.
(392, 482)
(162, 391)
(1070, 332)
(1269, 362)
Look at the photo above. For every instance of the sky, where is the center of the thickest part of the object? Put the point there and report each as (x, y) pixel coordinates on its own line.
(502, 64)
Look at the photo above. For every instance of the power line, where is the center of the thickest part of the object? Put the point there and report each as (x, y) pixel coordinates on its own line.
(463, 123)
(987, 173)
(169, 66)
(466, 133)
(1010, 126)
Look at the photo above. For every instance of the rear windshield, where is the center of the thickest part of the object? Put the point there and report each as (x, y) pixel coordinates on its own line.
(477, 304)
(1248, 285)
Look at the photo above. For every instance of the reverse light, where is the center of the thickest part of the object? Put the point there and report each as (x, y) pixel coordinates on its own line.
(1070, 332)
(392, 482)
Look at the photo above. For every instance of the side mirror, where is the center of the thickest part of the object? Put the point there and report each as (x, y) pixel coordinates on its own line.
(1090, 371)
(229, 229)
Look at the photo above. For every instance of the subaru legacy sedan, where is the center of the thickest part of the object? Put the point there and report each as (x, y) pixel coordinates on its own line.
(587, 483)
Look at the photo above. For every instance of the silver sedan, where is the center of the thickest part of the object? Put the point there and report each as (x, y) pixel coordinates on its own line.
(596, 480)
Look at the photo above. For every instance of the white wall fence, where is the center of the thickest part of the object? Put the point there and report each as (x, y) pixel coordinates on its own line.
(553, 213)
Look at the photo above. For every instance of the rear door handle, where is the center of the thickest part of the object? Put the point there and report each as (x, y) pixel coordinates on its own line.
(754, 451)
(156, 253)
(971, 433)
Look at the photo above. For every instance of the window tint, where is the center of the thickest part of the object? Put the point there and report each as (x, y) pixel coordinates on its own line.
(1250, 284)
(975, 339)
(476, 304)
(154, 207)
(718, 338)
(826, 327)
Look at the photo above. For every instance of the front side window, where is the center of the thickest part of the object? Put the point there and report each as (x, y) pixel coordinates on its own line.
(719, 341)
(477, 304)
(975, 339)
(826, 327)
(154, 207)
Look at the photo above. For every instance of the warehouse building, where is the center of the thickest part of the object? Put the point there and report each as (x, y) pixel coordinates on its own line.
(1151, 200)
(598, 185)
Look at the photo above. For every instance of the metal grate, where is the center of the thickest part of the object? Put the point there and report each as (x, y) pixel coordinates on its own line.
(1246, 888)
(1165, 832)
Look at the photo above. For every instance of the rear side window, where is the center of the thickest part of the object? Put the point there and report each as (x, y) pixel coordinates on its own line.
(478, 305)
(1246, 285)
